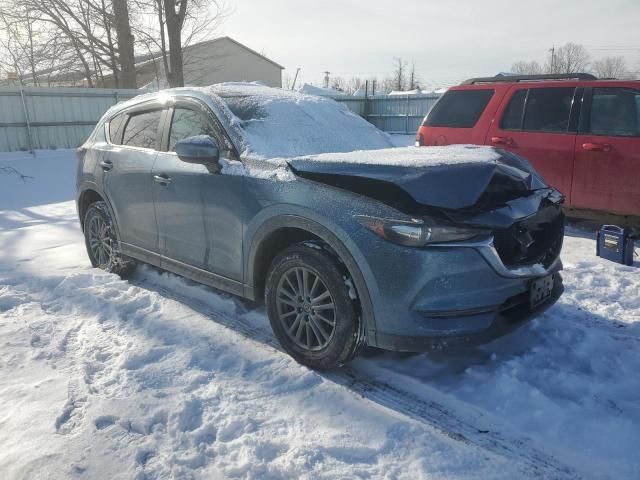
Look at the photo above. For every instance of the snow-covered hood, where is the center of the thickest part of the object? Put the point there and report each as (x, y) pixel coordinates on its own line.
(450, 177)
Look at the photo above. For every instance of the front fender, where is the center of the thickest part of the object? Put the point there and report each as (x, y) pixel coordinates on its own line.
(280, 216)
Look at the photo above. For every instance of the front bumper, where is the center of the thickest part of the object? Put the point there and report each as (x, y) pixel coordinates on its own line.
(514, 313)
(446, 295)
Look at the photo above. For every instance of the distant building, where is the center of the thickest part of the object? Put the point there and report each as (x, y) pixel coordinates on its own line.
(214, 61)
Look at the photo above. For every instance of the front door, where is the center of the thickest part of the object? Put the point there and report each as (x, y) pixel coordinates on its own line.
(127, 166)
(195, 228)
(607, 165)
(537, 123)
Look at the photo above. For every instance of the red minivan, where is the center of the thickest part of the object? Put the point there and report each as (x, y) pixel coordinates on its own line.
(582, 134)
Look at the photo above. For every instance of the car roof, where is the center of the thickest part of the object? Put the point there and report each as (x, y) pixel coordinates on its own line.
(547, 80)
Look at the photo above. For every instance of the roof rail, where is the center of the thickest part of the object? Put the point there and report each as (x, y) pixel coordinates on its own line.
(525, 78)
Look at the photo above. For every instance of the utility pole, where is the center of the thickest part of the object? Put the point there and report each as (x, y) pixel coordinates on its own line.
(293, 85)
(553, 59)
(326, 79)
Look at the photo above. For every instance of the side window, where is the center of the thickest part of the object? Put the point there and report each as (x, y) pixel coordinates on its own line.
(188, 123)
(114, 127)
(548, 109)
(615, 111)
(512, 117)
(142, 129)
(459, 108)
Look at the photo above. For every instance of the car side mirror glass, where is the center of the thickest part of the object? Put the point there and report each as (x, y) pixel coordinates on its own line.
(201, 149)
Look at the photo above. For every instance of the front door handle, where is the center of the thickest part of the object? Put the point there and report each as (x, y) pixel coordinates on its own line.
(596, 147)
(162, 179)
(106, 165)
(501, 141)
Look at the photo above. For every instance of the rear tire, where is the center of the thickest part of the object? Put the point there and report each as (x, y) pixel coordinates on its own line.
(310, 308)
(101, 241)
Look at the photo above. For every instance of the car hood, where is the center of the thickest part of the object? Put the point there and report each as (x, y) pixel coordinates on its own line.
(455, 177)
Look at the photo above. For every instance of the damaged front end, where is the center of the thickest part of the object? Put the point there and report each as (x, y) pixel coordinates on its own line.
(503, 204)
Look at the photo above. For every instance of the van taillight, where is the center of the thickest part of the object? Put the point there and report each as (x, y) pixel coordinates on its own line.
(419, 140)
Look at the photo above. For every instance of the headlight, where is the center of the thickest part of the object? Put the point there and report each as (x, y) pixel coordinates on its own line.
(417, 233)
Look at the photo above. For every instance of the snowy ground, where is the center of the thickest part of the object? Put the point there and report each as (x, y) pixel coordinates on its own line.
(157, 377)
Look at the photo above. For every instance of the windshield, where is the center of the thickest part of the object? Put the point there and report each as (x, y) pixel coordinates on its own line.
(276, 123)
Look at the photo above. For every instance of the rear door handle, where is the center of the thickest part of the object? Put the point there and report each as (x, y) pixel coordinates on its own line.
(106, 165)
(596, 147)
(162, 179)
(501, 141)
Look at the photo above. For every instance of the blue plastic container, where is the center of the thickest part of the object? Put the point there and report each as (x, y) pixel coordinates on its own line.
(616, 244)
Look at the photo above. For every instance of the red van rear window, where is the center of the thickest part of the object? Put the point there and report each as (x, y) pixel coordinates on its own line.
(459, 108)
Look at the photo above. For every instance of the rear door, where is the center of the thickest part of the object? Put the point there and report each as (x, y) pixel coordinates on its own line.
(127, 175)
(540, 123)
(607, 166)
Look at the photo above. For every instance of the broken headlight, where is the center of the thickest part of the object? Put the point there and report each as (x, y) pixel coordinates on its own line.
(417, 233)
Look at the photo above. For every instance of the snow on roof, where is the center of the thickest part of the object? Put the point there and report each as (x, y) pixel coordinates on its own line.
(281, 123)
(413, 156)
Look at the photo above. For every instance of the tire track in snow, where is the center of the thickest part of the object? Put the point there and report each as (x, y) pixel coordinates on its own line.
(538, 463)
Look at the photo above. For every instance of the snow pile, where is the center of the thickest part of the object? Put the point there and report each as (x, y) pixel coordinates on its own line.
(319, 91)
(415, 91)
(280, 123)
(413, 156)
(157, 377)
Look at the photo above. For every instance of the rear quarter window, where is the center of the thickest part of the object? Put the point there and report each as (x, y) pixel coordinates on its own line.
(459, 108)
(115, 124)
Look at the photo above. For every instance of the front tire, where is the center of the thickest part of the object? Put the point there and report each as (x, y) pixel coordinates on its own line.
(102, 243)
(310, 308)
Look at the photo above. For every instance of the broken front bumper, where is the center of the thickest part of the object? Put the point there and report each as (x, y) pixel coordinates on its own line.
(449, 294)
(509, 316)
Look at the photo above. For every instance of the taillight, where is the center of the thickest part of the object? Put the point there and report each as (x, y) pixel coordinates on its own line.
(80, 151)
(419, 140)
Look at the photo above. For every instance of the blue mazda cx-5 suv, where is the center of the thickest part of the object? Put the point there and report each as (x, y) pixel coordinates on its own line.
(266, 193)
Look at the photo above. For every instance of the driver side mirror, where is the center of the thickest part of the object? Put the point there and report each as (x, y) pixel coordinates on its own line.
(201, 149)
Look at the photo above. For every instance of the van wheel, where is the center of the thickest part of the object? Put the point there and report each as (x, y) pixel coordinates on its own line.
(310, 309)
(101, 242)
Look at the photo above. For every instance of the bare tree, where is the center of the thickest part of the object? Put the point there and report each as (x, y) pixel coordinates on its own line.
(200, 21)
(73, 36)
(527, 68)
(610, 67)
(413, 82)
(125, 43)
(399, 76)
(570, 58)
(339, 83)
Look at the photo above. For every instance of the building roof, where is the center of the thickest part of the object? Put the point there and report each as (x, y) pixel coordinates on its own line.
(62, 73)
(149, 57)
(240, 45)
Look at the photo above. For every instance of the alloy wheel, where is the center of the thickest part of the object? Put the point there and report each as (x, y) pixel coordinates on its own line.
(306, 308)
(100, 240)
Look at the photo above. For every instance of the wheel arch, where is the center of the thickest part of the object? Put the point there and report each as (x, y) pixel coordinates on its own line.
(282, 231)
(88, 196)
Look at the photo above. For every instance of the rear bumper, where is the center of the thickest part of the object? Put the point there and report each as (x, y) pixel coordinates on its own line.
(512, 314)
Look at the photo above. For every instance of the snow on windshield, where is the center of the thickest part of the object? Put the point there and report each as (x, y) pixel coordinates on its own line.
(280, 123)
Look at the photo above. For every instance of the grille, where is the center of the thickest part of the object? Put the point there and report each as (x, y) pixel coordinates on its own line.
(535, 240)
